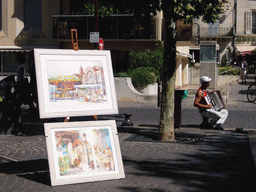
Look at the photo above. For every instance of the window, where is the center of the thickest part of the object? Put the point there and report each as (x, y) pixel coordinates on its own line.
(33, 14)
(213, 29)
(254, 22)
(248, 22)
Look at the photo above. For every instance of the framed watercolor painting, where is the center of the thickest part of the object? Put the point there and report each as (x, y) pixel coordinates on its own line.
(83, 152)
(75, 83)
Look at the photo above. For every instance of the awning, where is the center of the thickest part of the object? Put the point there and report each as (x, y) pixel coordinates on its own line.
(183, 54)
(13, 49)
(25, 48)
(245, 50)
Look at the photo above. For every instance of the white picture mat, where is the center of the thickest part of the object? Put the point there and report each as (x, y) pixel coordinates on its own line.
(56, 178)
(60, 62)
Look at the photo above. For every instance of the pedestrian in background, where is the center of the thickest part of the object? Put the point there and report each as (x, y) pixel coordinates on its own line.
(23, 88)
(243, 70)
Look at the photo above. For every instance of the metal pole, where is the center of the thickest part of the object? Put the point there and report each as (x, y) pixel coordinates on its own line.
(96, 19)
(96, 15)
(158, 93)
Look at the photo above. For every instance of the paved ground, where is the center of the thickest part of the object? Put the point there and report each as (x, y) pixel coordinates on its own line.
(200, 160)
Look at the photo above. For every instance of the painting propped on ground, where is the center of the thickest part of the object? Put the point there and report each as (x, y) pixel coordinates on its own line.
(83, 152)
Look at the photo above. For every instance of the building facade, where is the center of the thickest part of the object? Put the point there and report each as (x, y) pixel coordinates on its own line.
(235, 32)
(29, 24)
(25, 25)
(222, 31)
(245, 38)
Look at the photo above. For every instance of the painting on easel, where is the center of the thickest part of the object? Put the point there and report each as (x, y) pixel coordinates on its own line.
(79, 85)
(83, 152)
(75, 83)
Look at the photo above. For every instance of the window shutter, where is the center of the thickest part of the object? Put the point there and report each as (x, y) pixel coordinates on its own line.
(248, 22)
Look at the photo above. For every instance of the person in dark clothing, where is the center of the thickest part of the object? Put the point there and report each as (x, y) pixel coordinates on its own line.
(23, 88)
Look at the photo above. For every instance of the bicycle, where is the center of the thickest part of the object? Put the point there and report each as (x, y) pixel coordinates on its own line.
(251, 92)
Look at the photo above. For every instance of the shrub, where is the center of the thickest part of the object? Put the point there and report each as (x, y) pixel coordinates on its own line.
(251, 69)
(229, 70)
(121, 74)
(147, 59)
(141, 59)
(143, 76)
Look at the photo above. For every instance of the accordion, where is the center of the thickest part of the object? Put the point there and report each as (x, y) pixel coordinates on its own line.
(215, 99)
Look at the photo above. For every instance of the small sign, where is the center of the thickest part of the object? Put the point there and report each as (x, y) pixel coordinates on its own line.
(94, 37)
(101, 44)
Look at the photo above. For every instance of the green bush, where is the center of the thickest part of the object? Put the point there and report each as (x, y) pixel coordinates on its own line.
(229, 70)
(143, 76)
(251, 69)
(121, 74)
(147, 59)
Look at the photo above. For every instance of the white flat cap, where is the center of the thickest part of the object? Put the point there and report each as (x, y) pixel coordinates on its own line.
(205, 79)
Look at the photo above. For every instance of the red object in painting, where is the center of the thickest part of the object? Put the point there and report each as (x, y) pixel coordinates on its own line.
(101, 44)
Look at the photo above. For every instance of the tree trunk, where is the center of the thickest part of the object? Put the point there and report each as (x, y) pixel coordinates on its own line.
(166, 129)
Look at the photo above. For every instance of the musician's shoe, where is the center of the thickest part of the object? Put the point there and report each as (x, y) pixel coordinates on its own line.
(218, 127)
(205, 126)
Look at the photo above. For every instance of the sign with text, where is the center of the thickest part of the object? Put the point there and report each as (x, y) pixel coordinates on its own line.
(94, 37)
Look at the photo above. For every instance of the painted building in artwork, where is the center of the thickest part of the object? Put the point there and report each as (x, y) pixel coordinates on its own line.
(92, 84)
(84, 151)
(88, 85)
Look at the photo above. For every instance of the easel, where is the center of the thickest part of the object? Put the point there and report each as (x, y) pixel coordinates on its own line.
(76, 48)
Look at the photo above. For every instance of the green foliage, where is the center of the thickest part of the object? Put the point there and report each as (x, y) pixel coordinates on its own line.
(253, 52)
(121, 74)
(251, 69)
(147, 59)
(103, 11)
(143, 76)
(229, 70)
(189, 9)
(175, 9)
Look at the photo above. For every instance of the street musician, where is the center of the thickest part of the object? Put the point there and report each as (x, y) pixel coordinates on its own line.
(206, 110)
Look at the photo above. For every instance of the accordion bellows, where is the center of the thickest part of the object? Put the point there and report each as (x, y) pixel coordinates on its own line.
(215, 99)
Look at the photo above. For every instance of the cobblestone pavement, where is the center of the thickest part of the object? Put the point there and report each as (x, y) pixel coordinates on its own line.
(200, 160)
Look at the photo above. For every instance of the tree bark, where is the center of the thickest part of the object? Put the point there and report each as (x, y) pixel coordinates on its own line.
(166, 129)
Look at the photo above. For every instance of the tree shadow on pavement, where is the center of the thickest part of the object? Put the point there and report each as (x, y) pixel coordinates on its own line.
(151, 135)
(223, 162)
(33, 125)
(190, 126)
(35, 170)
